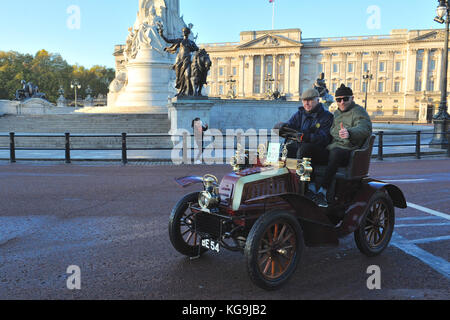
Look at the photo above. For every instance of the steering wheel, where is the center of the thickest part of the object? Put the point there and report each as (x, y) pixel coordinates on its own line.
(287, 133)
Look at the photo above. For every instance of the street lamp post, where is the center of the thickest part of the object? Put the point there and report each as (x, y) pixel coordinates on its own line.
(268, 80)
(231, 94)
(366, 78)
(441, 119)
(75, 85)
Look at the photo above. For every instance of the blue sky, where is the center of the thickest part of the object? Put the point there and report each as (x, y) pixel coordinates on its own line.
(30, 25)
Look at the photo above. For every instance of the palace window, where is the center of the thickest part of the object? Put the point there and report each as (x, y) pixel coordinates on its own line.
(257, 74)
(397, 86)
(419, 65)
(430, 85)
(335, 67)
(364, 87)
(350, 67)
(280, 73)
(432, 64)
(366, 66)
(380, 86)
(320, 68)
(382, 66)
(418, 85)
(398, 66)
(221, 71)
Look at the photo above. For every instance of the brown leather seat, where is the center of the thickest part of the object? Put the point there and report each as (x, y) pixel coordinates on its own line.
(358, 166)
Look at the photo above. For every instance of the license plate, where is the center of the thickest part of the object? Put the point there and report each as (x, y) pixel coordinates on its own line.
(211, 245)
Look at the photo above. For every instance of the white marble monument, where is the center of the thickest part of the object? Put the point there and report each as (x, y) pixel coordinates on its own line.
(146, 82)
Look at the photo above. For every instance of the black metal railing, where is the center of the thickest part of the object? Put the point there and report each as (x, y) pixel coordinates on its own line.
(188, 149)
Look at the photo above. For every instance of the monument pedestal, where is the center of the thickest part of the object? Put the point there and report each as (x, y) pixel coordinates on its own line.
(147, 89)
(183, 110)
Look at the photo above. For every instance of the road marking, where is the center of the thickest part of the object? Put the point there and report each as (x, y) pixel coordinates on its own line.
(426, 240)
(405, 180)
(423, 225)
(440, 265)
(418, 218)
(430, 211)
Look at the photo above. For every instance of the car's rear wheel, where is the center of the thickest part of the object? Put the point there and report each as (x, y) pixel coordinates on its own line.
(377, 225)
(182, 227)
(273, 249)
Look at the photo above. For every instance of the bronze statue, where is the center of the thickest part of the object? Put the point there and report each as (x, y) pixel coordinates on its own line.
(183, 62)
(200, 68)
(29, 90)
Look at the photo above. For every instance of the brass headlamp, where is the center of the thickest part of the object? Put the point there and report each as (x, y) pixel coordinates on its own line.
(209, 198)
(304, 169)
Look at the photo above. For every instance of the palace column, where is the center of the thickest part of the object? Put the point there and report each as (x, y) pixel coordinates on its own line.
(241, 76)
(390, 71)
(425, 68)
(411, 70)
(287, 74)
(374, 71)
(358, 71)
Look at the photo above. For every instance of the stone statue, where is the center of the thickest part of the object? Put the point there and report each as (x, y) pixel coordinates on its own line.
(182, 66)
(29, 90)
(325, 97)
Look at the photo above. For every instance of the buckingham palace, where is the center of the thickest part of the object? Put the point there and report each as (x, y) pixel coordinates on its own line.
(399, 71)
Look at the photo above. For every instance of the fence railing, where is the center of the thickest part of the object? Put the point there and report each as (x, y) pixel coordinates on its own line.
(187, 144)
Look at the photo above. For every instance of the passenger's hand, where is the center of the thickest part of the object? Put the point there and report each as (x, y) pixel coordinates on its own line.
(343, 133)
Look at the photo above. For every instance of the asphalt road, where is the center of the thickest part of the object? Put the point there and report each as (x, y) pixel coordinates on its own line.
(111, 221)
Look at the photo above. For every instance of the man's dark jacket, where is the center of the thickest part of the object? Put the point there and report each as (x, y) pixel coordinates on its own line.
(315, 125)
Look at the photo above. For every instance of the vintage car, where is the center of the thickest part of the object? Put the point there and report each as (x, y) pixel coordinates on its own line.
(261, 211)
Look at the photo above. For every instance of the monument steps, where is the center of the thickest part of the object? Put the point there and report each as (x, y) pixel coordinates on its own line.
(85, 124)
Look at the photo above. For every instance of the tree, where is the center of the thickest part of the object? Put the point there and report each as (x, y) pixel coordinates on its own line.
(49, 71)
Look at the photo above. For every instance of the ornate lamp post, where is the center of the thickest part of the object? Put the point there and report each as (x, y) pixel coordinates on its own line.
(441, 119)
(231, 94)
(268, 80)
(75, 85)
(367, 77)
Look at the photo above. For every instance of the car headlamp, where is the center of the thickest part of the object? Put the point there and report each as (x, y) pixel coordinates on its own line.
(209, 198)
(304, 169)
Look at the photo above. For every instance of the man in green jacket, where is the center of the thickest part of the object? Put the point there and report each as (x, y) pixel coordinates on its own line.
(351, 127)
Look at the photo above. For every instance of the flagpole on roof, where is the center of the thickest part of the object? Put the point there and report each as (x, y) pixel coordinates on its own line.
(273, 14)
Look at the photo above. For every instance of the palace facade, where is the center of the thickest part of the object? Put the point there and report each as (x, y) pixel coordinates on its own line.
(405, 67)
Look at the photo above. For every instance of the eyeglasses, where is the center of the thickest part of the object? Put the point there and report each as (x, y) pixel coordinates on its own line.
(346, 99)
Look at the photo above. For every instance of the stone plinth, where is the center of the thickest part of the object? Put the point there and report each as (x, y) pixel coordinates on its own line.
(148, 83)
(183, 111)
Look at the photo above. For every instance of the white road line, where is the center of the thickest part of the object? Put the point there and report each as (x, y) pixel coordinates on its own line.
(440, 265)
(430, 211)
(417, 218)
(427, 240)
(423, 225)
(405, 180)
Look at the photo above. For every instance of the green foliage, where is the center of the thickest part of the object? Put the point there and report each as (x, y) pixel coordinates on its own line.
(50, 71)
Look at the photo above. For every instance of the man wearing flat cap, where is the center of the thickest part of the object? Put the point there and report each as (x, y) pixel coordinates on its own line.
(313, 122)
(351, 127)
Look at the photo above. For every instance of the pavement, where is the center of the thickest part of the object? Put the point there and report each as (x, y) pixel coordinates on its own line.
(110, 220)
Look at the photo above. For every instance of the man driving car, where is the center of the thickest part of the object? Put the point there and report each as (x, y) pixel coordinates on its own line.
(313, 123)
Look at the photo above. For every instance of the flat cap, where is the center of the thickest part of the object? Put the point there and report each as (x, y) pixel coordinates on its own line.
(310, 94)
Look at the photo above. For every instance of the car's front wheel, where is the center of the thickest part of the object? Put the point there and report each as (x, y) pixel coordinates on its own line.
(273, 249)
(182, 227)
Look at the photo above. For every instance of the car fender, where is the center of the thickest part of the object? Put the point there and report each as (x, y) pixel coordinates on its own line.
(188, 181)
(318, 230)
(355, 212)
